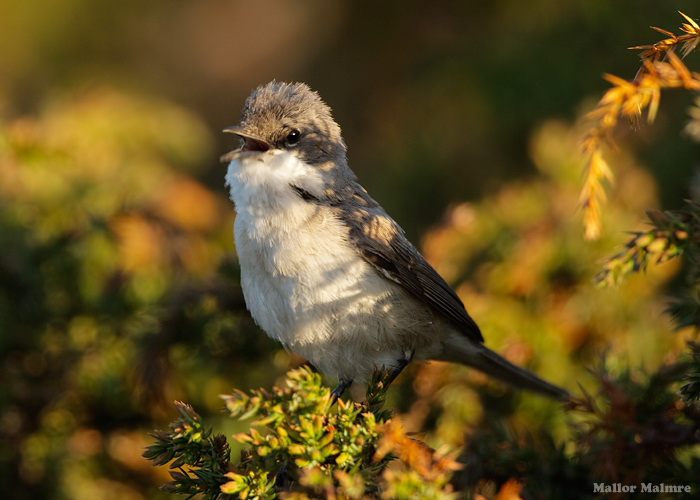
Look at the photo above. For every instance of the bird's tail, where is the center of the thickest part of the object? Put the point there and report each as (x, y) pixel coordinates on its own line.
(459, 349)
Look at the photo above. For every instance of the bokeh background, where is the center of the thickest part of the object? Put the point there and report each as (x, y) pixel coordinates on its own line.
(118, 277)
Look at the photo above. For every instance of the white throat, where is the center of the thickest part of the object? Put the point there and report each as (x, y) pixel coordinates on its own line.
(264, 184)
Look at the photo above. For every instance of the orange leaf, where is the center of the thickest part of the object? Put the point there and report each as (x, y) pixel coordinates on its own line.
(690, 45)
(654, 105)
(693, 24)
(617, 81)
(667, 33)
(510, 490)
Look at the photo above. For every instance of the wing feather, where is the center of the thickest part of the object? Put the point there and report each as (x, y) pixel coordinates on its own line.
(381, 242)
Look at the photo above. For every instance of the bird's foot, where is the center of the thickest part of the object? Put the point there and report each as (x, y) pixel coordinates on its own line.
(340, 389)
(398, 367)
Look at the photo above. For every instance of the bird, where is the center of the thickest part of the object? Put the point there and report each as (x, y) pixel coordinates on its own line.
(324, 269)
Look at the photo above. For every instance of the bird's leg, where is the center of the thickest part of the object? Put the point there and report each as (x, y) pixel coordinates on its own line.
(282, 478)
(343, 385)
(399, 366)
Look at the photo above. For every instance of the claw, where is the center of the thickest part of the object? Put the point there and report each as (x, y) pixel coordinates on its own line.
(340, 389)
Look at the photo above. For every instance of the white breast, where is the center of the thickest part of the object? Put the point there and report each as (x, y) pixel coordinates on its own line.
(304, 284)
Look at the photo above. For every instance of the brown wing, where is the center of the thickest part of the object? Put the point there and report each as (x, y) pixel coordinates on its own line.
(382, 243)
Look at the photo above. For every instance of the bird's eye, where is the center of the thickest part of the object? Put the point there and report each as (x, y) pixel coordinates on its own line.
(293, 138)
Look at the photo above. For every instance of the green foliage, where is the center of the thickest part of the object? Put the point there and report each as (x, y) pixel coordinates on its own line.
(673, 232)
(305, 447)
(691, 390)
(188, 443)
(636, 428)
(303, 430)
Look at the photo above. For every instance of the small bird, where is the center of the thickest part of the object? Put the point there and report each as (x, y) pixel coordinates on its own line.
(324, 269)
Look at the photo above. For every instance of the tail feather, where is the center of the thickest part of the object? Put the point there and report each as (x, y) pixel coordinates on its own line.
(464, 351)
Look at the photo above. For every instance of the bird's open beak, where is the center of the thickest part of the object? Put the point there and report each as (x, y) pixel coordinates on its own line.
(252, 143)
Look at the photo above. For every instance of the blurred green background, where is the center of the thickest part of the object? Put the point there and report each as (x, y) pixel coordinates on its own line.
(118, 279)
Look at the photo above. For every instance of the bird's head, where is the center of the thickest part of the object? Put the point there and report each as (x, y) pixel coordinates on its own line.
(291, 118)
